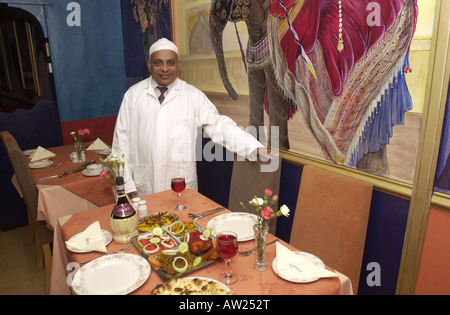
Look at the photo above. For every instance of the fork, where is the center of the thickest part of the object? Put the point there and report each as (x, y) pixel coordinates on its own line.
(250, 251)
(205, 213)
(123, 249)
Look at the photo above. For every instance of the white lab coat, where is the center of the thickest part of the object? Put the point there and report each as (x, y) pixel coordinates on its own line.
(159, 141)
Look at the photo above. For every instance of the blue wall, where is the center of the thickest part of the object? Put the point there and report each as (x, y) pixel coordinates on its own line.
(88, 62)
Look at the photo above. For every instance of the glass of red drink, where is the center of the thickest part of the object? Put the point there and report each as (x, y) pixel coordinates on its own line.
(178, 184)
(227, 246)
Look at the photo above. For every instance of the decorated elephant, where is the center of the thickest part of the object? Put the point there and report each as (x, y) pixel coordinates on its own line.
(341, 64)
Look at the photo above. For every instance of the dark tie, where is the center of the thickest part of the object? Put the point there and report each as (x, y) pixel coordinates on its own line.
(163, 90)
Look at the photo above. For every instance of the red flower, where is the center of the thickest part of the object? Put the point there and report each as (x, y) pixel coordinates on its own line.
(267, 213)
(268, 192)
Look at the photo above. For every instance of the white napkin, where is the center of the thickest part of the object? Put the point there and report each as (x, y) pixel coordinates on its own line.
(303, 269)
(98, 145)
(90, 239)
(41, 154)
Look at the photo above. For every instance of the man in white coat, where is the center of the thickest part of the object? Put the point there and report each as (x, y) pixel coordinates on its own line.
(158, 139)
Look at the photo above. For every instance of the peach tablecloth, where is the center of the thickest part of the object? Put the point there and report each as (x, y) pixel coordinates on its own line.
(250, 281)
(73, 193)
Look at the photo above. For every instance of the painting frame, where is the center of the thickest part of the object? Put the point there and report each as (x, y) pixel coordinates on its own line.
(26, 57)
(5, 81)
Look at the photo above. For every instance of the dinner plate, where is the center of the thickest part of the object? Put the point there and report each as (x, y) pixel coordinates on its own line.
(307, 256)
(239, 222)
(107, 236)
(115, 274)
(40, 164)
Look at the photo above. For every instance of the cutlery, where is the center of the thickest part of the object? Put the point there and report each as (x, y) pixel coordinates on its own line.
(57, 165)
(78, 169)
(205, 213)
(249, 252)
(122, 250)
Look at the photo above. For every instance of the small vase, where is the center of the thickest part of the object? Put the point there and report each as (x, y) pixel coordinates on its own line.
(79, 157)
(260, 239)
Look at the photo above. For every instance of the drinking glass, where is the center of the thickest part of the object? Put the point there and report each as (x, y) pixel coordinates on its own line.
(227, 246)
(178, 185)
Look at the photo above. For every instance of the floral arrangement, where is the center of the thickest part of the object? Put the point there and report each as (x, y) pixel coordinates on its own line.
(79, 135)
(116, 167)
(264, 208)
(265, 213)
(78, 142)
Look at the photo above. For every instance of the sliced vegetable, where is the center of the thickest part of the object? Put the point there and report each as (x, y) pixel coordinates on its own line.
(155, 240)
(168, 244)
(207, 233)
(180, 269)
(170, 252)
(158, 231)
(151, 249)
(197, 261)
(183, 247)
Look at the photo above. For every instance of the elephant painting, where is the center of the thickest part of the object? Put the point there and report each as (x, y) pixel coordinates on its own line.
(341, 64)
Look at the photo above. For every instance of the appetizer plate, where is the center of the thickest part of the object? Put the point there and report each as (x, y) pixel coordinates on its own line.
(28, 152)
(115, 274)
(307, 256)
(89, 173)
(107, 236)
(239, 222)
(105, 152)
(40, 164)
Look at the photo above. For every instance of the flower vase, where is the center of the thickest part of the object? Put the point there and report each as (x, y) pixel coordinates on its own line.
(260, 239)
(79, 154)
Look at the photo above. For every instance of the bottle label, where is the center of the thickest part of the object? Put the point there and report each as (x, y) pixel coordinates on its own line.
(123, 210)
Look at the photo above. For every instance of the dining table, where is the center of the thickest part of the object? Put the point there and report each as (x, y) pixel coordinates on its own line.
(75, 192)
(250, 281)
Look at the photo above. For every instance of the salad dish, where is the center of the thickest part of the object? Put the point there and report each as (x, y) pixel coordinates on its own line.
(175, 256)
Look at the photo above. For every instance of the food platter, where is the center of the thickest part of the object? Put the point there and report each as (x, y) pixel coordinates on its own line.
(192, 251)
(160, 219)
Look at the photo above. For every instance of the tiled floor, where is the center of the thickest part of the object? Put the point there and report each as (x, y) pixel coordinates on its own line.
(18, 273)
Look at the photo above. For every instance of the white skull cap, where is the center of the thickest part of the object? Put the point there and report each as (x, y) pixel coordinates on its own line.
(163, 44)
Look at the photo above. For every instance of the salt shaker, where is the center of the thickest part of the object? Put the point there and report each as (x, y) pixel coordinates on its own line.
(135, 202)
(142, 209)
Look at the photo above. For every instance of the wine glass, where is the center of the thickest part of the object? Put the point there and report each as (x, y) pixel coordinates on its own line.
(178, 185)
(227, 246)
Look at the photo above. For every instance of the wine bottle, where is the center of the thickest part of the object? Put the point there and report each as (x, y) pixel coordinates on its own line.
(123, 208)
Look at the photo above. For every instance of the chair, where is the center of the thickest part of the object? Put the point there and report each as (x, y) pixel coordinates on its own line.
(250, 179)
(330, 219)
(42, 234)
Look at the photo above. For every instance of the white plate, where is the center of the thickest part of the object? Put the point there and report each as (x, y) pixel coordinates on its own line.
(40, 164)
(87, 172)
(307, 256)
(28, 152)
(239, 222)
(114, 274)
(107, 236)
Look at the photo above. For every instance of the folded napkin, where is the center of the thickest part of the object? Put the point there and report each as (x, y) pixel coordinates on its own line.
(295, 267)
(98, 145)
(41, 154)
(90, 239)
